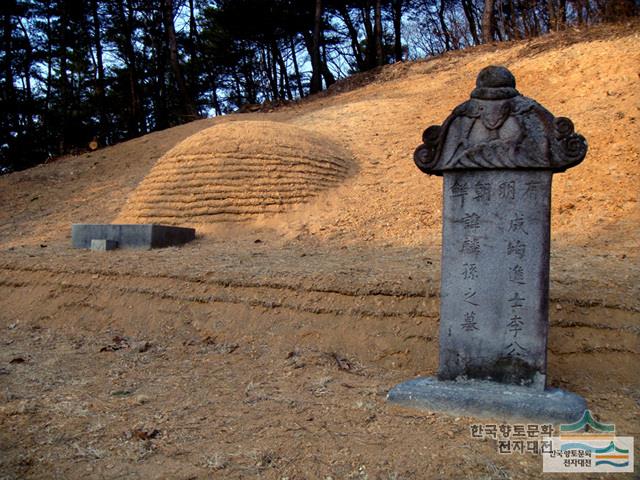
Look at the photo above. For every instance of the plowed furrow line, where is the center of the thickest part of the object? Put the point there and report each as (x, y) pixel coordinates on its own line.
(220, 200)
(226, 282)
(592, 350)
(242, 191)
(187, 206)
(322, 160)
(179, 220)
(171, 170)
(252, 301)
(144, 211)
(214, 199)
(255, 165)
(238, 183)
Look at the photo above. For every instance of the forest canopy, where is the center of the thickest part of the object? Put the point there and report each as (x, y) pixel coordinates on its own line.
(82, 74)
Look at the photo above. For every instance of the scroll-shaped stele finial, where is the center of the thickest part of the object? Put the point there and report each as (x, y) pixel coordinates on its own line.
(499, 128)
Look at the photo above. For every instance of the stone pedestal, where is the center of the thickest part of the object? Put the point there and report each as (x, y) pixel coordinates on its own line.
(497, 153)
(486, 399)
(131, 236)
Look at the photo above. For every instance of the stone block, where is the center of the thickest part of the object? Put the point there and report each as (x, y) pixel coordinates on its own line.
(485, 399)
(131, 236)
(102, 245)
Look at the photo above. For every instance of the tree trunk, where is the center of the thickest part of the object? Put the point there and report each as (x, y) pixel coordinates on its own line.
(353, 36)
(467, 6)
(329, 79)
(133, 122)
(64, 81)
(250, 86)
(215, 100)
(316, 78)
(513, 21)
(159, 54)
(488, 21)
(296, 68)
(193, 48)
(28, 62)
(557, 14)
(397, 29)
(284, 83)
(443, 25)
(274, 69)
(240, 99)
(562, 13)
(267, 68)
(377, 33)
(587, 10)
(100, 85)
(370, 51)
(577, 6)
(502, 26)
(9, 95)
(537, 27)
(49, 36)
(170, 32)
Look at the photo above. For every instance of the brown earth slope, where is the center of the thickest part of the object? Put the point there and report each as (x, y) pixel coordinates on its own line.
(265, 347)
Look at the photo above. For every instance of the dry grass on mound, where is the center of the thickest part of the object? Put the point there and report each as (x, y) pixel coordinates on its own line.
(235, 171)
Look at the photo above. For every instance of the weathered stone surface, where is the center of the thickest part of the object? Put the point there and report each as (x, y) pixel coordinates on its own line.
(495, 275)
(486, 399)
(101, 245)
(499, 128)
(131, 236)
(497, 153)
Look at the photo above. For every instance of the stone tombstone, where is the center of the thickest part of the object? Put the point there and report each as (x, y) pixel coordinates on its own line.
(497, 153)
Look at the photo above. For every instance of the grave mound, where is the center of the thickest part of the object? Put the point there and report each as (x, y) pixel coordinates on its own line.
(236, 171)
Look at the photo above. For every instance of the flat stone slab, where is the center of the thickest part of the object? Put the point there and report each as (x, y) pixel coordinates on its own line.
(494, 301)
(486, 399)
(131, 236)
(101, 245)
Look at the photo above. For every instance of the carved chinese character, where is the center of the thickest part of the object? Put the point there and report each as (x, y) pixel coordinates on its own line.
(516, 301)
(483, 192)
(470, 323)
(532, 190)
(515, 325)
(507, 190)
(459, 190)
(515, 349)
(468, 296)
(517, 224)
(516, 248)
(470, 271)
(516, 274)
(471, 245)
(471, 221)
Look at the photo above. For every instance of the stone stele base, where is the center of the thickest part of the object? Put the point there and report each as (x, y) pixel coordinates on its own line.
(131, 236)
(486, 399)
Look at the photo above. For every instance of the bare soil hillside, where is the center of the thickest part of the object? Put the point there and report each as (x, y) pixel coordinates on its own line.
(266, 347)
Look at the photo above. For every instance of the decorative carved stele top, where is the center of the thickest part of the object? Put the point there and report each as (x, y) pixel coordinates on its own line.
(499, 128)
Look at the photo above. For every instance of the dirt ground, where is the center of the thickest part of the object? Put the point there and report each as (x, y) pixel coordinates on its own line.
(265, 348)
